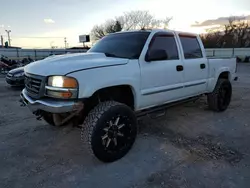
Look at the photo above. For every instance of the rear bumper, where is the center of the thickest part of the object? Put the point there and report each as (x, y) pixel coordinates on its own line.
(234, 77)
(49, 105)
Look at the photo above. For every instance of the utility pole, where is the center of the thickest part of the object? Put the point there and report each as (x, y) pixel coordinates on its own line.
(2, 40)
(65, 42)
(8, 33)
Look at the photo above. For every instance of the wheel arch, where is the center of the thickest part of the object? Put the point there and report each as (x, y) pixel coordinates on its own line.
(118, 93)
(223, 73)
(121, 93)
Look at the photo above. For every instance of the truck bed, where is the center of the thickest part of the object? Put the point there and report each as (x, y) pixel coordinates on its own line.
(225, 64)
(212, 57)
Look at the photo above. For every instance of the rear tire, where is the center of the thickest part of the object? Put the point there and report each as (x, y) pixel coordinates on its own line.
(110, 130)
(220, 98)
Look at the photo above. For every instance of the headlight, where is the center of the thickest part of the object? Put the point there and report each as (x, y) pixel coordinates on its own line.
(62, 87)
(62, 81)
(19, 74)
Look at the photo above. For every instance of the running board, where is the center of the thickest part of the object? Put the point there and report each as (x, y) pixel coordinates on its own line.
(164, 107)
(157, 114)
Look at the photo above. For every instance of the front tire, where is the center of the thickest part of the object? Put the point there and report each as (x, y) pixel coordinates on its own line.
(220, 98)
(110, 130)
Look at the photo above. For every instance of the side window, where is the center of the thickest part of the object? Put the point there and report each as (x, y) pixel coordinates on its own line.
(165, 42)
(191, 47)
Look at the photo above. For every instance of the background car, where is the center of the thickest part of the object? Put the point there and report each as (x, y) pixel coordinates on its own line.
(15, 77)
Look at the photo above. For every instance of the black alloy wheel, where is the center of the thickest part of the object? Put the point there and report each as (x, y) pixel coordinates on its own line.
(111, 130)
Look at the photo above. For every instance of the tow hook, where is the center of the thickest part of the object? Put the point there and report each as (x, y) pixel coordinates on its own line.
(39, 118)
(38, 115)
(22, 103)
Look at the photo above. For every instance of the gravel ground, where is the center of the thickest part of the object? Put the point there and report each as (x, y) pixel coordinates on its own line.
(189, 147)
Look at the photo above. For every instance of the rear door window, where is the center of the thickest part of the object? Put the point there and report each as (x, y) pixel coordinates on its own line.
(191, 47)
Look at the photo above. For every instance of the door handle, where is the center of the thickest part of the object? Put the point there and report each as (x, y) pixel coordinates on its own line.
(179, 68)
(202, 66)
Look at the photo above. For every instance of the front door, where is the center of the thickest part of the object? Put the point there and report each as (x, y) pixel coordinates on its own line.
(161, 80)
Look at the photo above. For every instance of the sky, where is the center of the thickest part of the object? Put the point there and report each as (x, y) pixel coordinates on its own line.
(31, 21)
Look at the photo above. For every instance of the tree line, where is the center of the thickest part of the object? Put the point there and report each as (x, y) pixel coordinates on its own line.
(132, 20)
(234, 34)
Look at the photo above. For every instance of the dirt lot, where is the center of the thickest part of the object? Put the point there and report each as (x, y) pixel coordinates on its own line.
(189, 147)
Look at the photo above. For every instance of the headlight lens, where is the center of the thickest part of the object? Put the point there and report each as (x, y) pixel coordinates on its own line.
(19, 74)
(62, 87)
(62, 81)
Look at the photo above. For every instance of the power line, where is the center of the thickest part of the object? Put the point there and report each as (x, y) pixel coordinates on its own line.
(34, 37)
(39, 37)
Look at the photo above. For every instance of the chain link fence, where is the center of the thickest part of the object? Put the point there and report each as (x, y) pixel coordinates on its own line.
(35, 54)
(242, 54)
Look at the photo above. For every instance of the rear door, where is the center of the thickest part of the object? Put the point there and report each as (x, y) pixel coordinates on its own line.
(161, 80)
(195, 65)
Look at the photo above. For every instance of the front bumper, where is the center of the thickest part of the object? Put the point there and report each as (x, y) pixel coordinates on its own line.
(49, 105)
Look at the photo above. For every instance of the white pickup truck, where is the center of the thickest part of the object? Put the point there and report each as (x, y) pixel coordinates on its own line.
(123, 76)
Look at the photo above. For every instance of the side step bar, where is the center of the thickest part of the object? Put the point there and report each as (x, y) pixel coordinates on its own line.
(164, 107)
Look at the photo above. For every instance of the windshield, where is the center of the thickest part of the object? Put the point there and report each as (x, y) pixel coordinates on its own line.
(124, 45)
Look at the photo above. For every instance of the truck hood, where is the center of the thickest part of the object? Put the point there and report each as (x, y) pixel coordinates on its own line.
(64, 64)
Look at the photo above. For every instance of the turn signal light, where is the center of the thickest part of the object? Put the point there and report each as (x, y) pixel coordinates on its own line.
(59, 94)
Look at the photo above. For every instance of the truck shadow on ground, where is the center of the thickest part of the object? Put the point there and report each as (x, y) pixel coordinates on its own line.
(204, 146)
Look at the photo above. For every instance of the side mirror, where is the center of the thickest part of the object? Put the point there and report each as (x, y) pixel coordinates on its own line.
(156, 55)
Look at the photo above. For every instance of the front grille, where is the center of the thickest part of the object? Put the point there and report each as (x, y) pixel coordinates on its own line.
(9, 75)
(33, 85)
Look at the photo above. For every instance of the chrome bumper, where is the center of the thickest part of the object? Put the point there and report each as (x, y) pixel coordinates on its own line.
(49, 105)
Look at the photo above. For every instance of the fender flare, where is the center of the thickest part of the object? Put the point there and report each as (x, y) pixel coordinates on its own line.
(216, 74)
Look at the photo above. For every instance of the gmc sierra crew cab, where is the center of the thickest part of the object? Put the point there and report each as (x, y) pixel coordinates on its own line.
(123, 76)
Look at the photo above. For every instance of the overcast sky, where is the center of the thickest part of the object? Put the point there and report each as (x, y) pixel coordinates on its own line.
(70, 18)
